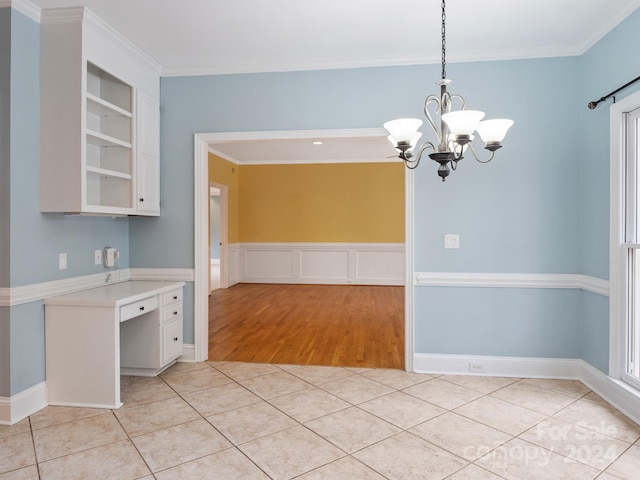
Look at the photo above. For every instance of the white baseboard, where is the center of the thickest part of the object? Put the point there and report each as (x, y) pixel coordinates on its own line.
(188, 353)
(497, 366)
(322, 263)
(25, 403)
(617, 393)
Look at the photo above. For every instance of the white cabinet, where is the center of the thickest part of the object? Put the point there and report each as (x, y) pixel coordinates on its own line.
(161, 332)
(148, 165)
(94, 336)
(99, 119)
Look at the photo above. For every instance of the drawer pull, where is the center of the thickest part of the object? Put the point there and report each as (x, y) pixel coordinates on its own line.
(142, 308)
(175, 313)
(175, 339)
(175, 297)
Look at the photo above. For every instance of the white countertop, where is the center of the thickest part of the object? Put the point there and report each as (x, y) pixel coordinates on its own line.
(114, 294)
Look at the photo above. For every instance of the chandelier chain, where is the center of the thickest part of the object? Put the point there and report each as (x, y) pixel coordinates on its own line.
(444, 41)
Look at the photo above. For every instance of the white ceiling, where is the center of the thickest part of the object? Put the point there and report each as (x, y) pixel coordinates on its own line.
(192, 37)
(225, 36)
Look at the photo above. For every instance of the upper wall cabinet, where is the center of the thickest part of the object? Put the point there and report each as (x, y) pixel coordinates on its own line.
(99, 131)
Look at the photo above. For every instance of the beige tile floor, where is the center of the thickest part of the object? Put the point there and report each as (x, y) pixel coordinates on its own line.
(255, 421)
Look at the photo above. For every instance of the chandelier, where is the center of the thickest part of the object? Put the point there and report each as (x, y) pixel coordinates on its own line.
(455, 132)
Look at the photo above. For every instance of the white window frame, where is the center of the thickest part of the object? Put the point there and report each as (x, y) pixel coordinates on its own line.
(620, 301)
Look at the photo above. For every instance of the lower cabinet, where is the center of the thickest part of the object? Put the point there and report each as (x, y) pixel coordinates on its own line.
(160, 330)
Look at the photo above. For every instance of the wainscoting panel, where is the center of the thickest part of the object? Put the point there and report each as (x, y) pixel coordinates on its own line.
(322, 263)
(318, 264)
(233, 264)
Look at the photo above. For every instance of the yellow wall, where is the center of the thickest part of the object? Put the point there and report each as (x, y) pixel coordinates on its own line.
(226, 173)
(355, 202)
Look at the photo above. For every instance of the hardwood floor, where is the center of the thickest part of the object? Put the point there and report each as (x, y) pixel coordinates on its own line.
(333, 325)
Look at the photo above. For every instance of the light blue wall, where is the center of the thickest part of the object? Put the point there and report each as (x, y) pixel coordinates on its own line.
(5, 80)
(5, 115)
(514, 322)
(517, 214)
(611, 63)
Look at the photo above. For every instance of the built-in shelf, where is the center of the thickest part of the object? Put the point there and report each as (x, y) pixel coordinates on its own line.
(108, 173)
(100, 106)
(102, 140)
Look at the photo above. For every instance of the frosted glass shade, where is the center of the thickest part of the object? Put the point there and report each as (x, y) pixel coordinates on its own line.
(413, 142)
(494, 130)
(403, 129)
(463, 122)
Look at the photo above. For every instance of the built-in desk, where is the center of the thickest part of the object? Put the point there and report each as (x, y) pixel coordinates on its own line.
(93, 336)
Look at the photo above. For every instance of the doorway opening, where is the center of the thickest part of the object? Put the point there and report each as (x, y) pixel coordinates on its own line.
(218, 236)
(203, 142)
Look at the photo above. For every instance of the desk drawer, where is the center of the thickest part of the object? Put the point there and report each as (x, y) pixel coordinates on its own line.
(139, 308)
(171, 297)
(174, 311)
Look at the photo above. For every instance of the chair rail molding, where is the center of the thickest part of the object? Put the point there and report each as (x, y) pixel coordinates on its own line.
(512, 280)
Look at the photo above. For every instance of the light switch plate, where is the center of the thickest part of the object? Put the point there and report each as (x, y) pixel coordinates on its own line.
(452, 240)
(62, 261)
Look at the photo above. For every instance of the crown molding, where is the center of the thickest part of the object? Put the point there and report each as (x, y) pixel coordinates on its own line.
(23, 6)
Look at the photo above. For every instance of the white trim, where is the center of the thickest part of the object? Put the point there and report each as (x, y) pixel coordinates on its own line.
(616, 392)
(38, 291)
(201, 247)
(323, 263)
(188, 353)
(10, 297)
(512, 280)
(74, 14)
(25, 7)
(617, 250)
(202, 146)
(497, 366)
(162, 274)
(409, 330)
(25, 403)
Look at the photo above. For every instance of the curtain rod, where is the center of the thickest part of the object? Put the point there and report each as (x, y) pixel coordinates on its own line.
(593, 105)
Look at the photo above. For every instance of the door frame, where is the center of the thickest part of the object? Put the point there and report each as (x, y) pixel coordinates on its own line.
(202, 143)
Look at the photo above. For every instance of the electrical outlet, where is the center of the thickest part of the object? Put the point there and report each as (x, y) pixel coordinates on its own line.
(452, 240)
(475, 367)
(97, 257)
(62, 261)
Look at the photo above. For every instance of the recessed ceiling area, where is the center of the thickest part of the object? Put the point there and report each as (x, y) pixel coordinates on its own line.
(194, 37)
(351, 149)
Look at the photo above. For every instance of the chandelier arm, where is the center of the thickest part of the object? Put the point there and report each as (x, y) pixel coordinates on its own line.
(427, 113)
(411, 161)
(476, 155)
(459, 97)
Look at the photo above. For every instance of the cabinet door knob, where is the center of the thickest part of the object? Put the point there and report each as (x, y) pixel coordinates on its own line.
(175, 297)
(175, 339)
(175, 313)
(141, 309)
(142, 199)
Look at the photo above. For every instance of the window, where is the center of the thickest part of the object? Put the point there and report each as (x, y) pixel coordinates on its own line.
(625, 241)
